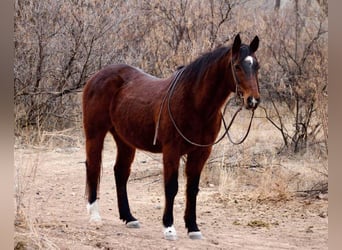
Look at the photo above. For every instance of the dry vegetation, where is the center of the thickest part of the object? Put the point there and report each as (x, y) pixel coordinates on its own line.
(59, 44)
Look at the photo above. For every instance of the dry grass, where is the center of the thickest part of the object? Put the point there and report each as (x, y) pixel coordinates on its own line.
(28, 234)
(257, 169)
(39, 139)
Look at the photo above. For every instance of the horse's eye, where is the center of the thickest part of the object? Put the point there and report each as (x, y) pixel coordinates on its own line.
(237, 67)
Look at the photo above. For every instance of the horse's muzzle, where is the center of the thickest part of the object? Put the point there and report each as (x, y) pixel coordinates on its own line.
(252, 102)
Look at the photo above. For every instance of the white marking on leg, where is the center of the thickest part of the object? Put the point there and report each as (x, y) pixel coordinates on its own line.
(93, 210)
(195, 235)
(170, 233)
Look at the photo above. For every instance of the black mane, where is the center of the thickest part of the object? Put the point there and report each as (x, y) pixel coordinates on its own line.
(197, 68)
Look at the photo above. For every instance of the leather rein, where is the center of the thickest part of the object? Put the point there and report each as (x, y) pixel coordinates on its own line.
(169, 94)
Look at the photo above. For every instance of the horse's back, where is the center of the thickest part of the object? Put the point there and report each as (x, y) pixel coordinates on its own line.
(113, 77)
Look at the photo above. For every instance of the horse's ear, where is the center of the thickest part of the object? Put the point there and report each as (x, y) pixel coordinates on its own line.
(254, 44)
(236, 44)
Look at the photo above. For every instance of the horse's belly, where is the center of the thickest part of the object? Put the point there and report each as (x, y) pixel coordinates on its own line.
(136, 127)
(137, 136)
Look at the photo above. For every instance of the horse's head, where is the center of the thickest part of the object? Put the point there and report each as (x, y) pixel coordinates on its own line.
(245, 67)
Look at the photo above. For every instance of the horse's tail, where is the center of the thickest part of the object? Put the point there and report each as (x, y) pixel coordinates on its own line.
(98, 93)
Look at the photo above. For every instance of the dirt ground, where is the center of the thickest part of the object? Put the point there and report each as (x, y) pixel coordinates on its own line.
(53, 210)
(250, 205)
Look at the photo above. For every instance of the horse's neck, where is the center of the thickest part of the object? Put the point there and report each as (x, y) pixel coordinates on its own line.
(212, 91)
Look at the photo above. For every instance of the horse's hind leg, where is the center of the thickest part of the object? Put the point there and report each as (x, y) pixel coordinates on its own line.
(122, 169)
(94, 145)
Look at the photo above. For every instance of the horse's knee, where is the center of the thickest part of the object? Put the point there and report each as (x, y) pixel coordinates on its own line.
(170, 180)
(192, 191)
(121, 173)
(93, 171)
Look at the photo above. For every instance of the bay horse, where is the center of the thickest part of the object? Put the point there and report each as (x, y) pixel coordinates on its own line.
(129, 103)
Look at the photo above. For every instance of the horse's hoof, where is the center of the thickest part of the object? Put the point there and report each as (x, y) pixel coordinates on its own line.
(133, 224)
(95, 223)
(95, 219)
(195, 235)
(170, 233)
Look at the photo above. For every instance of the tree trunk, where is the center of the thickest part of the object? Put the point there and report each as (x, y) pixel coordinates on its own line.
(277, 4)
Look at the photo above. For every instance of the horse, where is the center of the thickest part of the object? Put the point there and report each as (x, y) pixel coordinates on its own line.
(176, 116)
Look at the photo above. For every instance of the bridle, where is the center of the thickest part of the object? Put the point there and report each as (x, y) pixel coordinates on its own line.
(168, 96)
(237, 95)
(235, 78)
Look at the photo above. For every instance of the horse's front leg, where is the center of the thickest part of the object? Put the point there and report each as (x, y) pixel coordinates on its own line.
(194, 166)
(171, 165)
